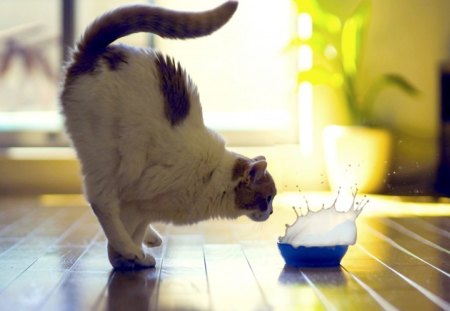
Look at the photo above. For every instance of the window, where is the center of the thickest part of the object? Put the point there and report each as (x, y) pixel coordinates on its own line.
(245, 77)
(30, 52)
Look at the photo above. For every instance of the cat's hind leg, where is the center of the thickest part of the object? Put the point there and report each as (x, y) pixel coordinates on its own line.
(152, 238)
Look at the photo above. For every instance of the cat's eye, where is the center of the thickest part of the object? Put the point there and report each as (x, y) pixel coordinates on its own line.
(269, 199)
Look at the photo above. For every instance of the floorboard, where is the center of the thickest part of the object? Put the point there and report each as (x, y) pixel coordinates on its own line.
(53, 257)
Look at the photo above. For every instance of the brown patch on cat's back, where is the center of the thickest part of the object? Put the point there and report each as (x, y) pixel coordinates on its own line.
(114, 57)
(85, 63)
(175, 89)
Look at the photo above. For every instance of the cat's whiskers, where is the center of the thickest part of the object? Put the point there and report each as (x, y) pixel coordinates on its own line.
(256, 231)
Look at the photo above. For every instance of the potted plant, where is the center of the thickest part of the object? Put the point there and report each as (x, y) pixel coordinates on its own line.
(358, 154)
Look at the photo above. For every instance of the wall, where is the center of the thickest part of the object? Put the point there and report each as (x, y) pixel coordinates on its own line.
(411, 38)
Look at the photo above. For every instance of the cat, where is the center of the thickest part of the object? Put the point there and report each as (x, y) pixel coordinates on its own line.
(135, 120)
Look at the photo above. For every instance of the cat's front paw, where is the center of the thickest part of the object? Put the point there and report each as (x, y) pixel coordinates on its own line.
(152, 238)
(140, 261)
(121, 263)
(127, 264)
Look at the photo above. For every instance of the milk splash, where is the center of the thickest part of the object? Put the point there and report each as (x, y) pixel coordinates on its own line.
(328, 226)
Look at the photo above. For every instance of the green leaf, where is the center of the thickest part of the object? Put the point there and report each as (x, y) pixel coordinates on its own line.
(392, 79)
(326, 21)
(352, 37)
(294, 43)
(319, 75)
(383, 82)
(317, 42)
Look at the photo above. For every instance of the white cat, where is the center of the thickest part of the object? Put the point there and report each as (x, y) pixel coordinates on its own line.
(135, 120)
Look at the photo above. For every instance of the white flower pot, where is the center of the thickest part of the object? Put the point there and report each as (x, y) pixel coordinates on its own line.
(357, 156)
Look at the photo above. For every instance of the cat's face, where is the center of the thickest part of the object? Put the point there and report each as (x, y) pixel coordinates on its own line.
(255, 190)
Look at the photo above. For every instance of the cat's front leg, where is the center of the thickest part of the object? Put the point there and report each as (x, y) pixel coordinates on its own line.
(123, 252)
(152, 238)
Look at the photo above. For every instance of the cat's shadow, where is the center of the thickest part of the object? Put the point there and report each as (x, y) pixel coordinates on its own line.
(132, 290)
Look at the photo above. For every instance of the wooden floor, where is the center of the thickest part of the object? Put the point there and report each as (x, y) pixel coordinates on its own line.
(53, 257)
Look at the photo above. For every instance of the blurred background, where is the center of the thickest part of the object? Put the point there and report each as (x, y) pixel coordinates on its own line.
(270, 82)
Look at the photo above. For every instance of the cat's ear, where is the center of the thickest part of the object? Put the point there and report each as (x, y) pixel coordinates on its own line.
(255, 170)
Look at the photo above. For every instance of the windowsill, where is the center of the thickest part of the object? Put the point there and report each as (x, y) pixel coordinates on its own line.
(55, 170)
(44, 128)
(38, 170)
(37, 153)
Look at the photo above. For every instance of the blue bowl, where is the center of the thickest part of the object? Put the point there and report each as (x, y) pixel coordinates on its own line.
(314, 256)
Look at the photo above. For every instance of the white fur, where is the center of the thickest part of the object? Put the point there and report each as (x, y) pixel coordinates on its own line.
(137, 167)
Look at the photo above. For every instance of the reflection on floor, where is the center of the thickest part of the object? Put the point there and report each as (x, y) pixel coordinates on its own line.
(53, 257)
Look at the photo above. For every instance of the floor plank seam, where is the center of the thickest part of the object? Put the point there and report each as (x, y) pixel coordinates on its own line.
(414, 235)
(22, 241)
(263, 295)
(29, 235)
(432, 228)
(154, 306)
(377, 297)
(210, 305)
(434, 298)
(69, 271)
(402, 249)
(323, 299)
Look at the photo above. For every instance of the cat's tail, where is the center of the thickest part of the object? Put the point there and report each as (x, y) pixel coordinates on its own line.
(145, 18)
